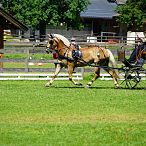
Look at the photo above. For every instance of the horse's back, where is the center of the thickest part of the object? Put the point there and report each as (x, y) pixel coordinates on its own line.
(88, 52)
(95, 51)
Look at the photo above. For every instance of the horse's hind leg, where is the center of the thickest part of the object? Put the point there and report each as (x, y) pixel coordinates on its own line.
(97, 75)
(58, 68)
(114, 76)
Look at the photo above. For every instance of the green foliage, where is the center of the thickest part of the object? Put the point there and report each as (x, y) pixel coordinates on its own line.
(133, 13)
(53, 12)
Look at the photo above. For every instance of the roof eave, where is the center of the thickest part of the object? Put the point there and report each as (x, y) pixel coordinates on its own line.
(91, 17)
(12, 20)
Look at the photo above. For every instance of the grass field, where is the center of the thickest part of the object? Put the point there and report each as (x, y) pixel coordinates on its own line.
(65, 115)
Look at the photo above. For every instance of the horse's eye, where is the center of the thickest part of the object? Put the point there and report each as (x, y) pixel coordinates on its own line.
(51, 42)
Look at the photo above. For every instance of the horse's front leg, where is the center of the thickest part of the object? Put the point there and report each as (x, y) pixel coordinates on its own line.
(58, 69)
(97, 75)
(70, 72)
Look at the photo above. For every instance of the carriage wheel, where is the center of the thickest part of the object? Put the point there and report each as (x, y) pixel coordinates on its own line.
(142, 84)
(132, 78)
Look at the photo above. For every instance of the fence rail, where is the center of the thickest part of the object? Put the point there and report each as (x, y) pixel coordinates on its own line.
(40, 76)
(32, 68)
(104, 37)
(61, 76)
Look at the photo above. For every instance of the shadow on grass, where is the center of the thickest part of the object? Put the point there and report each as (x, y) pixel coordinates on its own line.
(81, 87)
(136, 88)
(99, 87)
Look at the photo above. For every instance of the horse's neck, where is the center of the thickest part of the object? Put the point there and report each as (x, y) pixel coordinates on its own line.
(72, 47)
(62, 48)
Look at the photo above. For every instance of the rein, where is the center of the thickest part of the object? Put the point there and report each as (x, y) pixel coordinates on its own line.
(78, 59)
(93, 65)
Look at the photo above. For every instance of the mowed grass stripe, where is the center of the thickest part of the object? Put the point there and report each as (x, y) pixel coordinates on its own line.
(60, 119)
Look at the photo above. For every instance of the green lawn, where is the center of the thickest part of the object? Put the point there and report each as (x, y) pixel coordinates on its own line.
(65, 115)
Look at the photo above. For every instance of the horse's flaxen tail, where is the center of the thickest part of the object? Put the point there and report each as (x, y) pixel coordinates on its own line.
(112, 61)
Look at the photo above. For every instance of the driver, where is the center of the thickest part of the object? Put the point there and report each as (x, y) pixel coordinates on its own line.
(136, 54)
(74, 43)
(76, 53)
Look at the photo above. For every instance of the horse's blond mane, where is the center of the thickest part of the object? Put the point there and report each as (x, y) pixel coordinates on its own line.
(64, 39)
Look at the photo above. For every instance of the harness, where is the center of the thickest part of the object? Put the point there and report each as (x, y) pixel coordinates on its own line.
(66, 53)
(76, 55)
(102, 51)
(65, 56)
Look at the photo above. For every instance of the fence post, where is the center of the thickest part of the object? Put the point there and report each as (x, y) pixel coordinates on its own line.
(82, 71)
(1, 63)
(26, 61)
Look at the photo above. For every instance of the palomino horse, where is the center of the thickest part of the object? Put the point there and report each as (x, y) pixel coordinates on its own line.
(90, 55)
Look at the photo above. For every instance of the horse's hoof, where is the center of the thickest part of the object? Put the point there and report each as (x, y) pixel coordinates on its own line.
(47, 85)
(78, 84)
(87, 86)
(117, 87)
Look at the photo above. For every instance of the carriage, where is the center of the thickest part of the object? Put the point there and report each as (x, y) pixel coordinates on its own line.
(97, 57)
(134, 68)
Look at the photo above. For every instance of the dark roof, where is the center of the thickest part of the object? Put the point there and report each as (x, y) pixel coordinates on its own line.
(10, 20)
(121, 1)
(100, 9)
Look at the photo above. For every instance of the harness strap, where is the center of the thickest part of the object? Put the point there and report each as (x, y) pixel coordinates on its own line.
(102, 51)
(67, 58)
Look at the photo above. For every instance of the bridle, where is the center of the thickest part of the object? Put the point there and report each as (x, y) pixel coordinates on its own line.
(52, 49)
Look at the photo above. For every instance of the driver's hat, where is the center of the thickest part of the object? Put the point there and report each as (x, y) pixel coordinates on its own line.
(143, 40)
(73, 39)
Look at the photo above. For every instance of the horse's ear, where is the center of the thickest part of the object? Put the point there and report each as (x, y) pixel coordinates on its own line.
(50, 36)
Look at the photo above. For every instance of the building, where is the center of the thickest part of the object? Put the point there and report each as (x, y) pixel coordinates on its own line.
(100, 17)
(8, 22)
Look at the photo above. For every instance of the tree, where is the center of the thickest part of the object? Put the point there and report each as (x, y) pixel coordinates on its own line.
(133, 13)
(53, 12)
(71, 10)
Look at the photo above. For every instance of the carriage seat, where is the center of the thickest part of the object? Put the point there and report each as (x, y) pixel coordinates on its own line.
(132, 61)
(128, 64)
(143, 54)
(121, 57)
(138, 64)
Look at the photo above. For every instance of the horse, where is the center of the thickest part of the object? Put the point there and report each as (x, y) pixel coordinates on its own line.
(97, 55)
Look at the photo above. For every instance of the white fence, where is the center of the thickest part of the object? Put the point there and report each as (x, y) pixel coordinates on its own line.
(61, 76)
(121, 76)
(28, 76)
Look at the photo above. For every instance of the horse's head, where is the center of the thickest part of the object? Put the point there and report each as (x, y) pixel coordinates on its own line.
(55, 42)
(52, 44)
